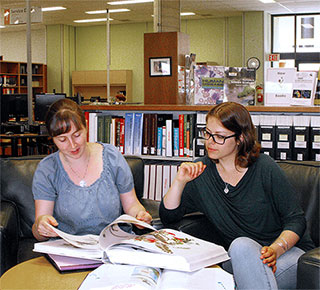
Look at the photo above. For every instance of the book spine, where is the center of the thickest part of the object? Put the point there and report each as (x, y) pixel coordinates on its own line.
(107, 124)
(86, 115)
(185, 126)
(159, 173)
(175, 141)
(181, 134)
(128, 141)
(146, 181)
(159, 141)
(137, 133)
(164, 143)
(152, 181)
(188, 136)
(169, 142)
(122, 134)
(153, 145)
(166, 179)
(146, 135)
(117, 139)
(192, 121)
(100, 134)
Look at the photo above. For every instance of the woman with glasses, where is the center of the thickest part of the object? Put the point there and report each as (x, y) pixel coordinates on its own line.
(248, 200)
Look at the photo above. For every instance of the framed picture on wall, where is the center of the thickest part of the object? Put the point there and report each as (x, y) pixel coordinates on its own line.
(160, 66)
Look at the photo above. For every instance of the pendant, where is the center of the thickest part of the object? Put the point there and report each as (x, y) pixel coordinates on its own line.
(82, 183)
(226, 190)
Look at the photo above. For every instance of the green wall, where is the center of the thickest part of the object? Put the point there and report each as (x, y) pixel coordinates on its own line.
(227, 41)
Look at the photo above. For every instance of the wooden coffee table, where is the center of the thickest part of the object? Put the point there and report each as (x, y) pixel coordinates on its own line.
(39, 274)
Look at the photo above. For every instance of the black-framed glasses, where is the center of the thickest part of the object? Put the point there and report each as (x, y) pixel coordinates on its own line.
(217, 138)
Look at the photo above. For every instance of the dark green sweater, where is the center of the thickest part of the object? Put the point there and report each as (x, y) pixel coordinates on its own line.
(260, 206)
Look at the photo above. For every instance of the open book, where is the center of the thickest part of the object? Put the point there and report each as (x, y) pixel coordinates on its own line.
(164, 248)
(111, 277)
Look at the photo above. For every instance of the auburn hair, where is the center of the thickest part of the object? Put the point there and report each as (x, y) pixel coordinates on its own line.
(236, 118)
(60, 115)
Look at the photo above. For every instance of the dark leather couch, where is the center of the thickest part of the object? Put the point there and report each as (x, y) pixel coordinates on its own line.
(305, 177)
(17, 206)
(17, 212)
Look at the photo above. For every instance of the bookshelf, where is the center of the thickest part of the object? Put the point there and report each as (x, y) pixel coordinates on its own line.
(94, 83)
(160, 170)
(201, 108)
(15, 76)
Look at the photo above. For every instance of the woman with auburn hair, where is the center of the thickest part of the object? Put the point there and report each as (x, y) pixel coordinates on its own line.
(83, 186)
(248, 200)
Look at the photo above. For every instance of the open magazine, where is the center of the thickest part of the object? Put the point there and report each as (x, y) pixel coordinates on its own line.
(164, 248)
(111, 277)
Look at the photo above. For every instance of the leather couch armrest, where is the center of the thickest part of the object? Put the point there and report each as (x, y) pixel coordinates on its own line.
(9, 234)
(308, 275)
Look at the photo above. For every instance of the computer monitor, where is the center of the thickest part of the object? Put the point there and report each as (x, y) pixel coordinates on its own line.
(43, 102)
(14, 106)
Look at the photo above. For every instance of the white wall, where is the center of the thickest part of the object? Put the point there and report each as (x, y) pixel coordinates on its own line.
(13, 45)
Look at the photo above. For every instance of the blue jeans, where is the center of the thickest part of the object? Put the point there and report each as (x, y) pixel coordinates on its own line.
(249, 271)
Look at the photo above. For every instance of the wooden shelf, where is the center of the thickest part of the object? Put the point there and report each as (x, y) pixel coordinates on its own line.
(94, 83)
(128, 107)
(19, 71)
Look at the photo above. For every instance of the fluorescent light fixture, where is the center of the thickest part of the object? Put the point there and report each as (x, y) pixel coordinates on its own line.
(187, 13)
(267, 1)
(110, 11)
(46, 9)
(91, 20)
(125, 2)
(307, 25)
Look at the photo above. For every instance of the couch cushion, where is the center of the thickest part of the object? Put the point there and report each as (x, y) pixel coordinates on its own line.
(16, 182)
(305, 178)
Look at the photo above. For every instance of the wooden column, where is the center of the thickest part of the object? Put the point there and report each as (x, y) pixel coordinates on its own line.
(164, 89)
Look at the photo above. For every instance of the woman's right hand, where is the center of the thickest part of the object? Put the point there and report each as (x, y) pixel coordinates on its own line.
(42, 228)
(189, 171)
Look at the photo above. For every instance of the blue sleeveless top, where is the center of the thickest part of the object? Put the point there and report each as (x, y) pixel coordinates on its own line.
(84, 210)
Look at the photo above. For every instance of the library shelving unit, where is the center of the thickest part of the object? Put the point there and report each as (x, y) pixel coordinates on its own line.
(197, 108)
(14, 75)
(175, 110)
(160, 170)
(94, 83)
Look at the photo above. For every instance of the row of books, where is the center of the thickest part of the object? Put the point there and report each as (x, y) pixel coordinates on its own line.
(145, 133)
(283, 137)
(157, 180)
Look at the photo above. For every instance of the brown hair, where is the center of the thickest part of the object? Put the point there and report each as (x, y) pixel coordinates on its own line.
(237, 119)
(60, 115)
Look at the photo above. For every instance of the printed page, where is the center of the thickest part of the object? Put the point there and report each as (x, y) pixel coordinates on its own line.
(110, 234)
(113, 234)
(109, 276)
(204, 279)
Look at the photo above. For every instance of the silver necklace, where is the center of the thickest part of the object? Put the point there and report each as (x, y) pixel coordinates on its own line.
(82, 182)
(226, 189)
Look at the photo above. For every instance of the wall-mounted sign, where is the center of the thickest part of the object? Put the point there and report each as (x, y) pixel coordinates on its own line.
(19, 15)
(273, 57)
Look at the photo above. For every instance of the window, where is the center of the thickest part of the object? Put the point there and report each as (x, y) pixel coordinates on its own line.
(297, 38)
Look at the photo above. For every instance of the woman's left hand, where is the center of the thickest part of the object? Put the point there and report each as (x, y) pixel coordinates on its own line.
(269, 256)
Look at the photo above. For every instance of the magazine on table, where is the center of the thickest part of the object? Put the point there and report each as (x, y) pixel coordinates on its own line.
(111, 277)
(164, 248)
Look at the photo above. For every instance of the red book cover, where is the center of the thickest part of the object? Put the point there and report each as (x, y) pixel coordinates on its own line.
(121, 121)
(86, 115)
